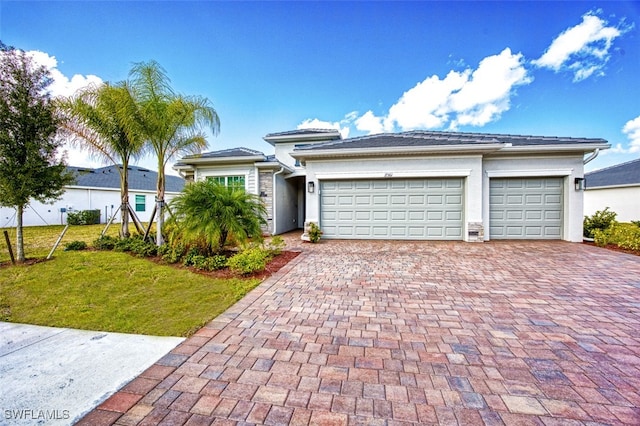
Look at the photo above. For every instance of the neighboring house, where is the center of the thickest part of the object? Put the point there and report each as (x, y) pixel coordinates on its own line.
(97, 189)
(616, 187)
(420, 185)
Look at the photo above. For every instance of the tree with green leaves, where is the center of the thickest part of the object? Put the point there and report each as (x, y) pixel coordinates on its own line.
(29, 167)
(98, 120)
(172, 124)
(209, 211)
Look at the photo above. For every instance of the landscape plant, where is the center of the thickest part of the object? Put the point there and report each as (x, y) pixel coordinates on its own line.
(600, 220)
(30, 168)
(250, 260)
(314, 232)
(207, 211)
(170, 123)
(75, 245)
(83, 217)
(98, 119)
(623, 235)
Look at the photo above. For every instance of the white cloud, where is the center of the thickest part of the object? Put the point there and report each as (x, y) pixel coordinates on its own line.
(369, 123)
(62, 85)
(582, 49)
(632, 130)
(343, 126)
(471, 97)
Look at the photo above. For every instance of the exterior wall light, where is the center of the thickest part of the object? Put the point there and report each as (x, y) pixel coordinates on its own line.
(579, 184)
(311, 187)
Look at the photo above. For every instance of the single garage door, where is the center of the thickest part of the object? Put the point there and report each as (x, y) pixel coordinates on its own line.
(526, 208)
(404, 209)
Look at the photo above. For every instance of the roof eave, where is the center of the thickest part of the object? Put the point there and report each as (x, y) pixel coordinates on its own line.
(215, 160)
(398, 150)
(577, 147)
(273, 140)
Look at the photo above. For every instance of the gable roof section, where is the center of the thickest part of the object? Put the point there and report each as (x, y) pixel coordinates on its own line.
(424, 141)
(302, 135)
(108, 177)
(232, 155)
(624, 174)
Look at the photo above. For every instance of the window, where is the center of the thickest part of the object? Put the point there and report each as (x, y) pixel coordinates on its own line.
(236, 182)
(140, 203)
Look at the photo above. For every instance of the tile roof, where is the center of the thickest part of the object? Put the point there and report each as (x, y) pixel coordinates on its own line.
(226, 153)
(301, 132)
(621, 174)
(139, 178)
(435, 138)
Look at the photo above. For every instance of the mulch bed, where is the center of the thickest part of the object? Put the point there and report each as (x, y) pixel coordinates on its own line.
(272, 267)
(614, 247)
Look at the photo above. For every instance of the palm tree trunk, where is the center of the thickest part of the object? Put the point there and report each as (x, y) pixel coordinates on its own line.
(124, 200)
(19, 236)
(160, 205)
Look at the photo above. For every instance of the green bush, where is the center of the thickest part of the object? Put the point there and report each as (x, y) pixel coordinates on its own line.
(75, 245)
(602, 220)
(105, 242)
(216, 262)
(276, 245)
(142, 248)
(136, 245)
(636, 222)
(253, 259)
(191, 256)
(624, 235)
(84, 217)
(314, 232)
(172, 253)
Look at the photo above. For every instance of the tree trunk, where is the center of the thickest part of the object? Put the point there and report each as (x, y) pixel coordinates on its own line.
(160, 206)
(19, 237)
(124, 200)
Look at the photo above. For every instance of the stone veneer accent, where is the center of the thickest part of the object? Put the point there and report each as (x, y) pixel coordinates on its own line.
(265, 186)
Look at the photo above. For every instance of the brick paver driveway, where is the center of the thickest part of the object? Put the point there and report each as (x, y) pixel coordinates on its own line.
(512, 333)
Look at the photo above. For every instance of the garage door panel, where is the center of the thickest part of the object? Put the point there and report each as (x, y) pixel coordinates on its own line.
(526, 208)
(393, 209)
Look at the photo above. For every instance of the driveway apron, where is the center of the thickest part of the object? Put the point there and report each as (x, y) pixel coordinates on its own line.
(364, 332)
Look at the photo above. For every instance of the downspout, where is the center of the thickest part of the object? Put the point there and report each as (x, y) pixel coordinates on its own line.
(593, 155)
(273, 203)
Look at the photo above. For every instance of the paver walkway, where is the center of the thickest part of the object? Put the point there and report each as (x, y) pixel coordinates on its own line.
(513, 333)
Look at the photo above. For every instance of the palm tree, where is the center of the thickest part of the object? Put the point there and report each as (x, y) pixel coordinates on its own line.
(98, 120)
(172, 124)
(209, 211)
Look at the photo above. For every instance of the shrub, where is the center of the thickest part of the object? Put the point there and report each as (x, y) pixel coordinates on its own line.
(137, 245)
(84, 217)
(276, 245)
(105, 242)
(172, 253)
(602, 220)
(636, 222)
(210, 263)
(142, 248)
(75, 245)
(216, 262)
(190, 257)
(314, 232)
(253, 259)
(624, 235)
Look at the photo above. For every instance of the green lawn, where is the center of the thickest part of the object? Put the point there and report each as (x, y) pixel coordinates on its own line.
(109, 291)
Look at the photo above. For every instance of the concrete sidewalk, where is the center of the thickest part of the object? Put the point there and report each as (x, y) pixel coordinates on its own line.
(53, 376)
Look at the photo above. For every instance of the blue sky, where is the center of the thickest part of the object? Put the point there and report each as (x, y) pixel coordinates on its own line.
(542, 68)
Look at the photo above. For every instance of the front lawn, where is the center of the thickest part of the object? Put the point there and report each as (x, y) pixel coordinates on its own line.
(109, 291)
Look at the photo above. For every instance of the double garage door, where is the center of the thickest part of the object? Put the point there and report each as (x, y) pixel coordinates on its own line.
(432, 209)
(403, 209)
(526, 208)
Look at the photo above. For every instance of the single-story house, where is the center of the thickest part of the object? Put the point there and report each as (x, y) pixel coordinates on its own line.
(616, 187)
(97, 189)
(422, 185)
